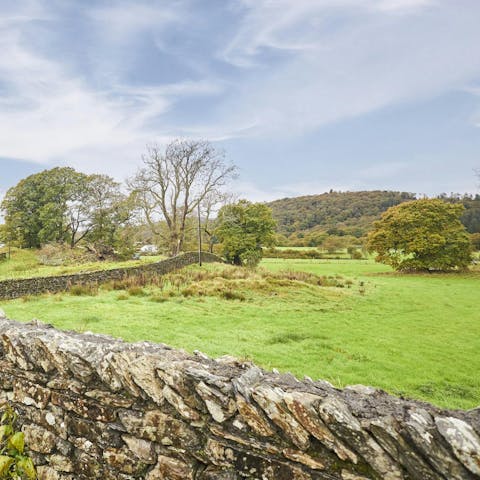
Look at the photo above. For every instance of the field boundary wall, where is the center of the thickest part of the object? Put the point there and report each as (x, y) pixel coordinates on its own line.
(16, 288)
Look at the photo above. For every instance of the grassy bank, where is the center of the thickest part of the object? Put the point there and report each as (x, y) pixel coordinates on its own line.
(415, 335)
(24, 263)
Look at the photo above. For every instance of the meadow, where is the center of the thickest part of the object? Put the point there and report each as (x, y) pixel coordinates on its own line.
(25, 263)
(412, 335)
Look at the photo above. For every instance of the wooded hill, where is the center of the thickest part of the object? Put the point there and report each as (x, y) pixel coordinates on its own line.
(309, 219)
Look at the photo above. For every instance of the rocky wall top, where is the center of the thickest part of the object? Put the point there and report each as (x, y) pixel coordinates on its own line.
(95, 407)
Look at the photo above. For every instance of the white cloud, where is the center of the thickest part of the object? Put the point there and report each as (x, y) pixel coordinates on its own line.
(289, 68)
(350, 58)
(50, 114)
(302, 25)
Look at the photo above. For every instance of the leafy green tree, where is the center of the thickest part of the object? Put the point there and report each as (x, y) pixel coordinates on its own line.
(35, 207)
(108, 212)
(63, 205)
(422, 234)
(243, 228)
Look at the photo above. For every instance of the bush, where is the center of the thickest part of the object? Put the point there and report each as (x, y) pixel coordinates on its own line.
(14, 462)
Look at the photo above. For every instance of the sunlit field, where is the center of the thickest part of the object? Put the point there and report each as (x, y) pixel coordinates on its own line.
(412, 335)
(25, 263)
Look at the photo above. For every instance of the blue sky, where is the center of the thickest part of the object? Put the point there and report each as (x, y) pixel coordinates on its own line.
(303, 95)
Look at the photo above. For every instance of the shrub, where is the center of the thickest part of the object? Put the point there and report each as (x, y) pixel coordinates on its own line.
(14, 462)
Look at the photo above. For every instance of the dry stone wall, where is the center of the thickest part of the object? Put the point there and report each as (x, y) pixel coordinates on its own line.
(93, 407)
(16, 288)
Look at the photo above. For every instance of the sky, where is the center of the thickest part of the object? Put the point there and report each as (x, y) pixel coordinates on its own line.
(303, 96)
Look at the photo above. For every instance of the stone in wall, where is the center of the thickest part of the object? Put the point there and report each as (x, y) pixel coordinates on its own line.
(93, 407)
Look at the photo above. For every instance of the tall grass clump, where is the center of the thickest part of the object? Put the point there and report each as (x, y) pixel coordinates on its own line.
(81, 290)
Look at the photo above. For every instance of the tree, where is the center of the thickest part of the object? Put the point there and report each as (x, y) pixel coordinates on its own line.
(107, 212)
(421, 235)
(172, 184)
(243, 228)
(63, 205)
(77, 216)
(35, 207)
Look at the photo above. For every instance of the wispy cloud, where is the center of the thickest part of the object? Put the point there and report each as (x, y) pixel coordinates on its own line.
(50, 113)
(351, 58)
(91, 85)
(302, 25)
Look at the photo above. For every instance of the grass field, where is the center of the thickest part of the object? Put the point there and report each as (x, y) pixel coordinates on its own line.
(25, 263)
(413, 335)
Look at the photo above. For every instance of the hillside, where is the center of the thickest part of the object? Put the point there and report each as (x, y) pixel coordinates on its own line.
(307, 220)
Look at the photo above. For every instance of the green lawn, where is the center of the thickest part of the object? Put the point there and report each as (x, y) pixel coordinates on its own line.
(415, 335)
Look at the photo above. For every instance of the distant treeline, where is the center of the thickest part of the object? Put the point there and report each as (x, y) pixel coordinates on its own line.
(314, 254)
(308, 220)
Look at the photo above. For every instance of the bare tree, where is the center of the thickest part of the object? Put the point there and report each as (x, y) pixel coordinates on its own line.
(172, 183)
(208, 208)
